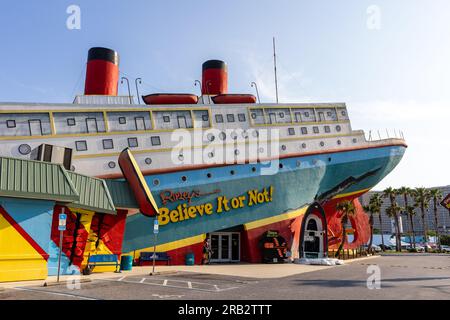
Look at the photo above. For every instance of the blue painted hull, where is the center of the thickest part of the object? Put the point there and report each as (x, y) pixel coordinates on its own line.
(299, 182)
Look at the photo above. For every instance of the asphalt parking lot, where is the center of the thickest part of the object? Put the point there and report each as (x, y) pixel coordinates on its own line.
(401, 277)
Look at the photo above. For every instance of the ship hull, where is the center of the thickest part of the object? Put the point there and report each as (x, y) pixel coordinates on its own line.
(252, 197)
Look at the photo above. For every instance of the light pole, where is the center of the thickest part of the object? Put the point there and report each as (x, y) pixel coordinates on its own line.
(128, 84)
(137, 89)
(253, 84)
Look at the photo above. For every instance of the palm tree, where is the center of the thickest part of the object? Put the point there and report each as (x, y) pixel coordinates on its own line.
(376, 201)
(422, 199)
(394, 212)
(347, 209)
(411, 211)
(436, 195)
(391, 193)
(371, 210)
(405, 192)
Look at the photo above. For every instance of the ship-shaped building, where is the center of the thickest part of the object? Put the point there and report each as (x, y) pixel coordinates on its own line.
(248, 178)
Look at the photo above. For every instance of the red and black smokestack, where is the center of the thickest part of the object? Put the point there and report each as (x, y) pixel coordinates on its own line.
(214, 77)
(102, 72)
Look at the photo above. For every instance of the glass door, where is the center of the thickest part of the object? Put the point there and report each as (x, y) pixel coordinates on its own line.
(225, 246)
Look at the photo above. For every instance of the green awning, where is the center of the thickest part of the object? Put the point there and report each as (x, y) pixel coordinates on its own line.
(21, 178)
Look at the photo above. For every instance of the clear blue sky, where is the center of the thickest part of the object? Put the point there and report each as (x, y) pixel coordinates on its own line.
(397, 76)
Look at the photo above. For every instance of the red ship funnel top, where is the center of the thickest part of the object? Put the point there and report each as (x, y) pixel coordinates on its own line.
(214, 77)
(102, 72)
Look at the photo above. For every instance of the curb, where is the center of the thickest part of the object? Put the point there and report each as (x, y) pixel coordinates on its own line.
(162, 272)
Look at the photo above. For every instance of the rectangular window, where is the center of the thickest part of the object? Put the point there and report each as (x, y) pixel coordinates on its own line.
(108, 144)
(71, 122)
(166, 118)
(132, 142)
(230, 117)
(291, 131)
(81, 145)
(205, 117)
(304, 130)
(156, 141)
(316, 129)
(11, 123)
(327, 129)
(241, 117)
(219, 118)
(122, 120)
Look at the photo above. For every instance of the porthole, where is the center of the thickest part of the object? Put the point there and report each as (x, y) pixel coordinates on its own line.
(280, 166)
(354, 140)
(339, 142)
(211, 154)
(329, 159)
(24, 149)
(208, 175)
(222, 136)
(281, 114)
(148, 160)
(303, 145)
(236, 151)
(298, 163)
(156, 182)
(322, 143)
(253, 115)
(180, 157)
(232, 172)
(343, 113)
(253, 169)
(112, 164)
(183, 178)
(283, 147)
(210, 137)
(338, 128)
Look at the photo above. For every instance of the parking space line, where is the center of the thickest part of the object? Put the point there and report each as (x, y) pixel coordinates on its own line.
(55, 293)
(189, 285)
(142, 280)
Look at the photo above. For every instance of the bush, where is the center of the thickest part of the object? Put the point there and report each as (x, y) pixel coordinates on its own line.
(445, 240)
(412, 250)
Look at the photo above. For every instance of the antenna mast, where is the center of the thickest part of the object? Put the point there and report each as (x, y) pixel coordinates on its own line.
(275, 69)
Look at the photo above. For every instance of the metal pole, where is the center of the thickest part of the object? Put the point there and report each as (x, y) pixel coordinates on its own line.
(128, 84)
(275, 69)
(137, 90)
(154, 254)
(60, 250)
(257, 93)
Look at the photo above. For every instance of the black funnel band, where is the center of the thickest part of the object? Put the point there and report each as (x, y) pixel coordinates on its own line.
(99, 53)
(214, 64)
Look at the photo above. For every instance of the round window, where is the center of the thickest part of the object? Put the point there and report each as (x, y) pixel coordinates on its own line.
(210, 137)
(236, 152)
(112, 164)
(181, 157)
(303, 145)
(338, 128)
(24, 149)
(354, 140)
(222, 136)
(339, 142)
(253, 115)
(155, 182)
(283, 147)
(148, 160)
(211, 154)
(322, 143)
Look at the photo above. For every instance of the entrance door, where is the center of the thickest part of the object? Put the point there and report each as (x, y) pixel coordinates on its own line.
(225, 246)
(91, 124)
(313, 239)
(35, 127)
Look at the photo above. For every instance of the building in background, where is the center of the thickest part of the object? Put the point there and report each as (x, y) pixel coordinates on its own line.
(443, 214)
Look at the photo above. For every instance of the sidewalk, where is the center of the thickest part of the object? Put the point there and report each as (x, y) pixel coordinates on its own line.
(245, 270)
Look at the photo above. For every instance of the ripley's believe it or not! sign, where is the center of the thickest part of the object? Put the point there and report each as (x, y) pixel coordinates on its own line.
(185, 211)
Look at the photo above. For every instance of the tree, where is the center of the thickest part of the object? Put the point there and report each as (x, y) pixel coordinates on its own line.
(391, 193)
(436, 195)
(405, 192)
(376, 201)
(422, 199)
(347, 209)
(411, 211)
(369, 208)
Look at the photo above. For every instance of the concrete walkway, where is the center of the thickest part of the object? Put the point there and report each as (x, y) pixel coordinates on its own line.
(246, 270)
